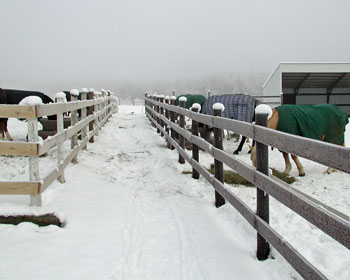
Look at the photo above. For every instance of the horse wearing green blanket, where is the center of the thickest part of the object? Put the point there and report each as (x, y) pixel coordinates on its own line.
(191, 99)
(324, 122)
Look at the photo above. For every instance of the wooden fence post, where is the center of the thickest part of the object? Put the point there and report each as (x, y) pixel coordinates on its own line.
(208, 95)
(90, 112)
(96, 110)
(161, 100)
(182, 102)
(35, 200)
(146, 103)
(60, 98)
(167, 115)
(195, 151)
(262, 209)
(157, 110)
(84, 92)
(172, 118)
(218, 165)
(74, 93)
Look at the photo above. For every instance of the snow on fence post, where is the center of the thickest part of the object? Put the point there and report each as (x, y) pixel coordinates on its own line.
(35, 200)
(218, 165)
(195, 151)
(161, 100)
(60, 98)
(90, 112)
(172, 118)
(262, 207)
(74, 120)
(182, 102)
(84, 92)
(209, 92)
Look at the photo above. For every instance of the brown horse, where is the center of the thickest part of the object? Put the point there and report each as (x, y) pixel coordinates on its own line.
(325, 122)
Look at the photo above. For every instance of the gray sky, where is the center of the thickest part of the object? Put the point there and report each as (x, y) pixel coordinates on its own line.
(55, 45)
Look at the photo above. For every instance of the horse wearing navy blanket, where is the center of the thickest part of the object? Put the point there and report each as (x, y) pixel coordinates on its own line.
(239, 107)
(324, 122)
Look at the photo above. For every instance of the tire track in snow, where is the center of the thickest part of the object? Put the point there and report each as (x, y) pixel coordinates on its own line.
(190, 266)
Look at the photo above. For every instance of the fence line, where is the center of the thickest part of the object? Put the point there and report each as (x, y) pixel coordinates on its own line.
(36, 185)
(325, 218)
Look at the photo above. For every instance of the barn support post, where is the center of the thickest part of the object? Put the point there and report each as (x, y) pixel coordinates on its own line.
(195, 150)
(83, 93)
(161, 100)
(60, 146)
(262, 208)
(172, 118)
(218, 165)
(182, 103)
(74, 120)
(35, 200)
(90, 112)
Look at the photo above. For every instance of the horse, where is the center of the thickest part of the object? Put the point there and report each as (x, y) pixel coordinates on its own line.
(3, 121)
(191, 99)
(324, 122)
(13, 97)
(237, 106)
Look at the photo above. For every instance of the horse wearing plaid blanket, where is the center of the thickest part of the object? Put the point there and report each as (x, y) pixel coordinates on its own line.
(239, 107)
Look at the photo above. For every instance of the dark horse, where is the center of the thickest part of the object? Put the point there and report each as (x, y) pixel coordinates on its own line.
(239, 107)
(13, 97)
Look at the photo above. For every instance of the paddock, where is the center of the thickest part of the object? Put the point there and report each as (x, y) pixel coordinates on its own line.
(159, 222)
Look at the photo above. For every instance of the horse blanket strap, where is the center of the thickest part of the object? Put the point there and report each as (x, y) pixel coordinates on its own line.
(191, 99)
(237, 106)
(325, 122)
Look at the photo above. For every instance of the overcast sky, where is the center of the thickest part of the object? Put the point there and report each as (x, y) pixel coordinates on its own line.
(46, 45)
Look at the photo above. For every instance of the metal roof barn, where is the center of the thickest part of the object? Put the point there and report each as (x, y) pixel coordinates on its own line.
(311, 83)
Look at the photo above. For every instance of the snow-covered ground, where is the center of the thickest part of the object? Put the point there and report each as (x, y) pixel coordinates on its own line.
(131, 214)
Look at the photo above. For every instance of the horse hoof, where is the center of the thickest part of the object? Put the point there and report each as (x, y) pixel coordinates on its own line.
(302, 175)
(249, 152)
(235, 152)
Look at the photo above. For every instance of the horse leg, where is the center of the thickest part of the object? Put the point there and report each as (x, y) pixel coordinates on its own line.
(288, 167)
(299, 165)
(240, 146)
(228, 136)
(2, 129)
(331, 169)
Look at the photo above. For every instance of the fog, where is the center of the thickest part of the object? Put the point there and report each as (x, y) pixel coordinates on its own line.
(157, 45)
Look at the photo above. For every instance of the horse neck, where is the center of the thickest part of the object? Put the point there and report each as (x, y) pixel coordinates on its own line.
(273, 121)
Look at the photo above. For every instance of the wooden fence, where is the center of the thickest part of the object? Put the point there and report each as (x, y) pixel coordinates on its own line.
(95, 112)
(330, 221)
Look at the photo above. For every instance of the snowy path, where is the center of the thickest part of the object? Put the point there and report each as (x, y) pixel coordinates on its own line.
(131, 214)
